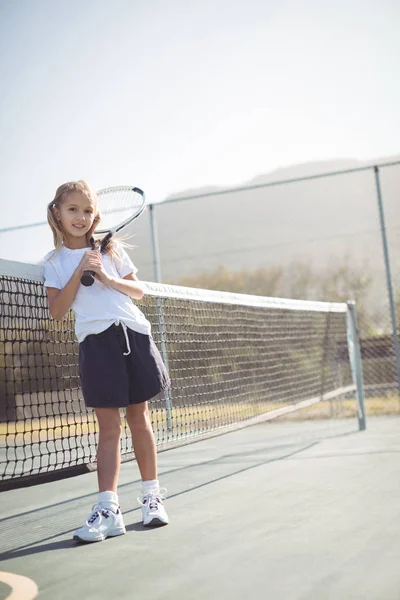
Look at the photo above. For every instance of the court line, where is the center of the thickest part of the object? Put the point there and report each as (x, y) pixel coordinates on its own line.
(22, 588)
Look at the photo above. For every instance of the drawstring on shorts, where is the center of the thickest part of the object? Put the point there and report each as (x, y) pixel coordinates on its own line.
(125, 329)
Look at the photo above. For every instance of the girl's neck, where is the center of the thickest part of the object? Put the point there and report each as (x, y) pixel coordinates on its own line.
(76, 244)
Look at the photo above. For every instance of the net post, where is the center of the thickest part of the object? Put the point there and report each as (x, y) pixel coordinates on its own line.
(164, 354)
(353, 344)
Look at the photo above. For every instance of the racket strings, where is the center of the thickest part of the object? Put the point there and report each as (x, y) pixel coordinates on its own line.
(118, 206)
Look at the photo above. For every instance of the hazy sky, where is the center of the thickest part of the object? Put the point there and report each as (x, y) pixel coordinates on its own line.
(174, 94)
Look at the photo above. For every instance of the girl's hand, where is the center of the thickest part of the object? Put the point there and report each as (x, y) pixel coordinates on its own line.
(91, 261)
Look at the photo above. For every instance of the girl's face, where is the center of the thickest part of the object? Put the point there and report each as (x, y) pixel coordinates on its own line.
(76, 214)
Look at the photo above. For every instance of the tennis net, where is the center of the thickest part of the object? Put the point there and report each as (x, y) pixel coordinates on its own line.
(233, 359)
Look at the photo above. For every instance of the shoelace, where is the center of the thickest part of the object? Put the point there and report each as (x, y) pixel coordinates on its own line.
(153, 499)
(97, 513)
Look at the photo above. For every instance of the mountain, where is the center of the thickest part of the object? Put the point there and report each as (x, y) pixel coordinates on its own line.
(320, 221)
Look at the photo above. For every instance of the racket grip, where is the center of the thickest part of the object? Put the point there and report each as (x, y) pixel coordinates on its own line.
(87, 278)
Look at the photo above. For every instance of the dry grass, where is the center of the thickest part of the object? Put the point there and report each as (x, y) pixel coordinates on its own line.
(389, 405)
(378, 406)
(195, 418)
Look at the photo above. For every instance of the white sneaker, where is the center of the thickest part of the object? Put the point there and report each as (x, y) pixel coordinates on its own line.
(153, 511)
(100, 524)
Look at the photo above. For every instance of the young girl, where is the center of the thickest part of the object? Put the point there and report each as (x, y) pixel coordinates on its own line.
(119, 364)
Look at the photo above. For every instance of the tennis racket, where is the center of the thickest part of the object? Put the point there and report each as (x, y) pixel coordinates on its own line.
(118, 207)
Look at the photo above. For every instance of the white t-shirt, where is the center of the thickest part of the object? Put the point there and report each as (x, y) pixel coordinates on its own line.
(96, 307)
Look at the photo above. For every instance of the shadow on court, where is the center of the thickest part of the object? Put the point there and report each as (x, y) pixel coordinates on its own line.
(284, 510)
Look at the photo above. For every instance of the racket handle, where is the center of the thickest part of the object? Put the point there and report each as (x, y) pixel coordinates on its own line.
(87, 278)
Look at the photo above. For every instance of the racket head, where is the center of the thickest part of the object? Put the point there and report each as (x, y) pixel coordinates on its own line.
(118, 206)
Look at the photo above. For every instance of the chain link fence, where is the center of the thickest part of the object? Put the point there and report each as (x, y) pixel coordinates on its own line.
(318, 236)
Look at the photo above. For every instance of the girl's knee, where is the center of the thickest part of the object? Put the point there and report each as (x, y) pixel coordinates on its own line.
(111, 431)
(138, 416)
(109, 421)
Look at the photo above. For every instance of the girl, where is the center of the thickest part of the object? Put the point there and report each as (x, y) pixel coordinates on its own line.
(119, 364)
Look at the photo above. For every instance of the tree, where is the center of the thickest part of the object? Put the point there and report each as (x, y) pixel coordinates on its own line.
(339, 282)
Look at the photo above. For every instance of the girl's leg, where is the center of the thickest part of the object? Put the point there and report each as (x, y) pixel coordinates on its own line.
(108, 450)
(143, 440)
(105, 519)
(144, 445)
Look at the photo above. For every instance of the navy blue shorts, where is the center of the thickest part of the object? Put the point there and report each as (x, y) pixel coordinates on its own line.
(110, 379)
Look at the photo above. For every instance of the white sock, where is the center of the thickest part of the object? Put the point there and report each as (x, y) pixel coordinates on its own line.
(149, 486)
(108, 500)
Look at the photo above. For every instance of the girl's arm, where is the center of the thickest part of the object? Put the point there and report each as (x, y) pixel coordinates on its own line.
(129, 285)
(60, 301)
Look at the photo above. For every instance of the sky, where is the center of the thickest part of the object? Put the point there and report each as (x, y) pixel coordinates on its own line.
(171, 95)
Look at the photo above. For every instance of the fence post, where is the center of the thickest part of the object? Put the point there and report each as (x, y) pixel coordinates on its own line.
(154, 242)
(353, 344)
(160, 312)
(396, 347)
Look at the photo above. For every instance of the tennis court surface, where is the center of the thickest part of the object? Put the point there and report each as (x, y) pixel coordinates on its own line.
(275, 510)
